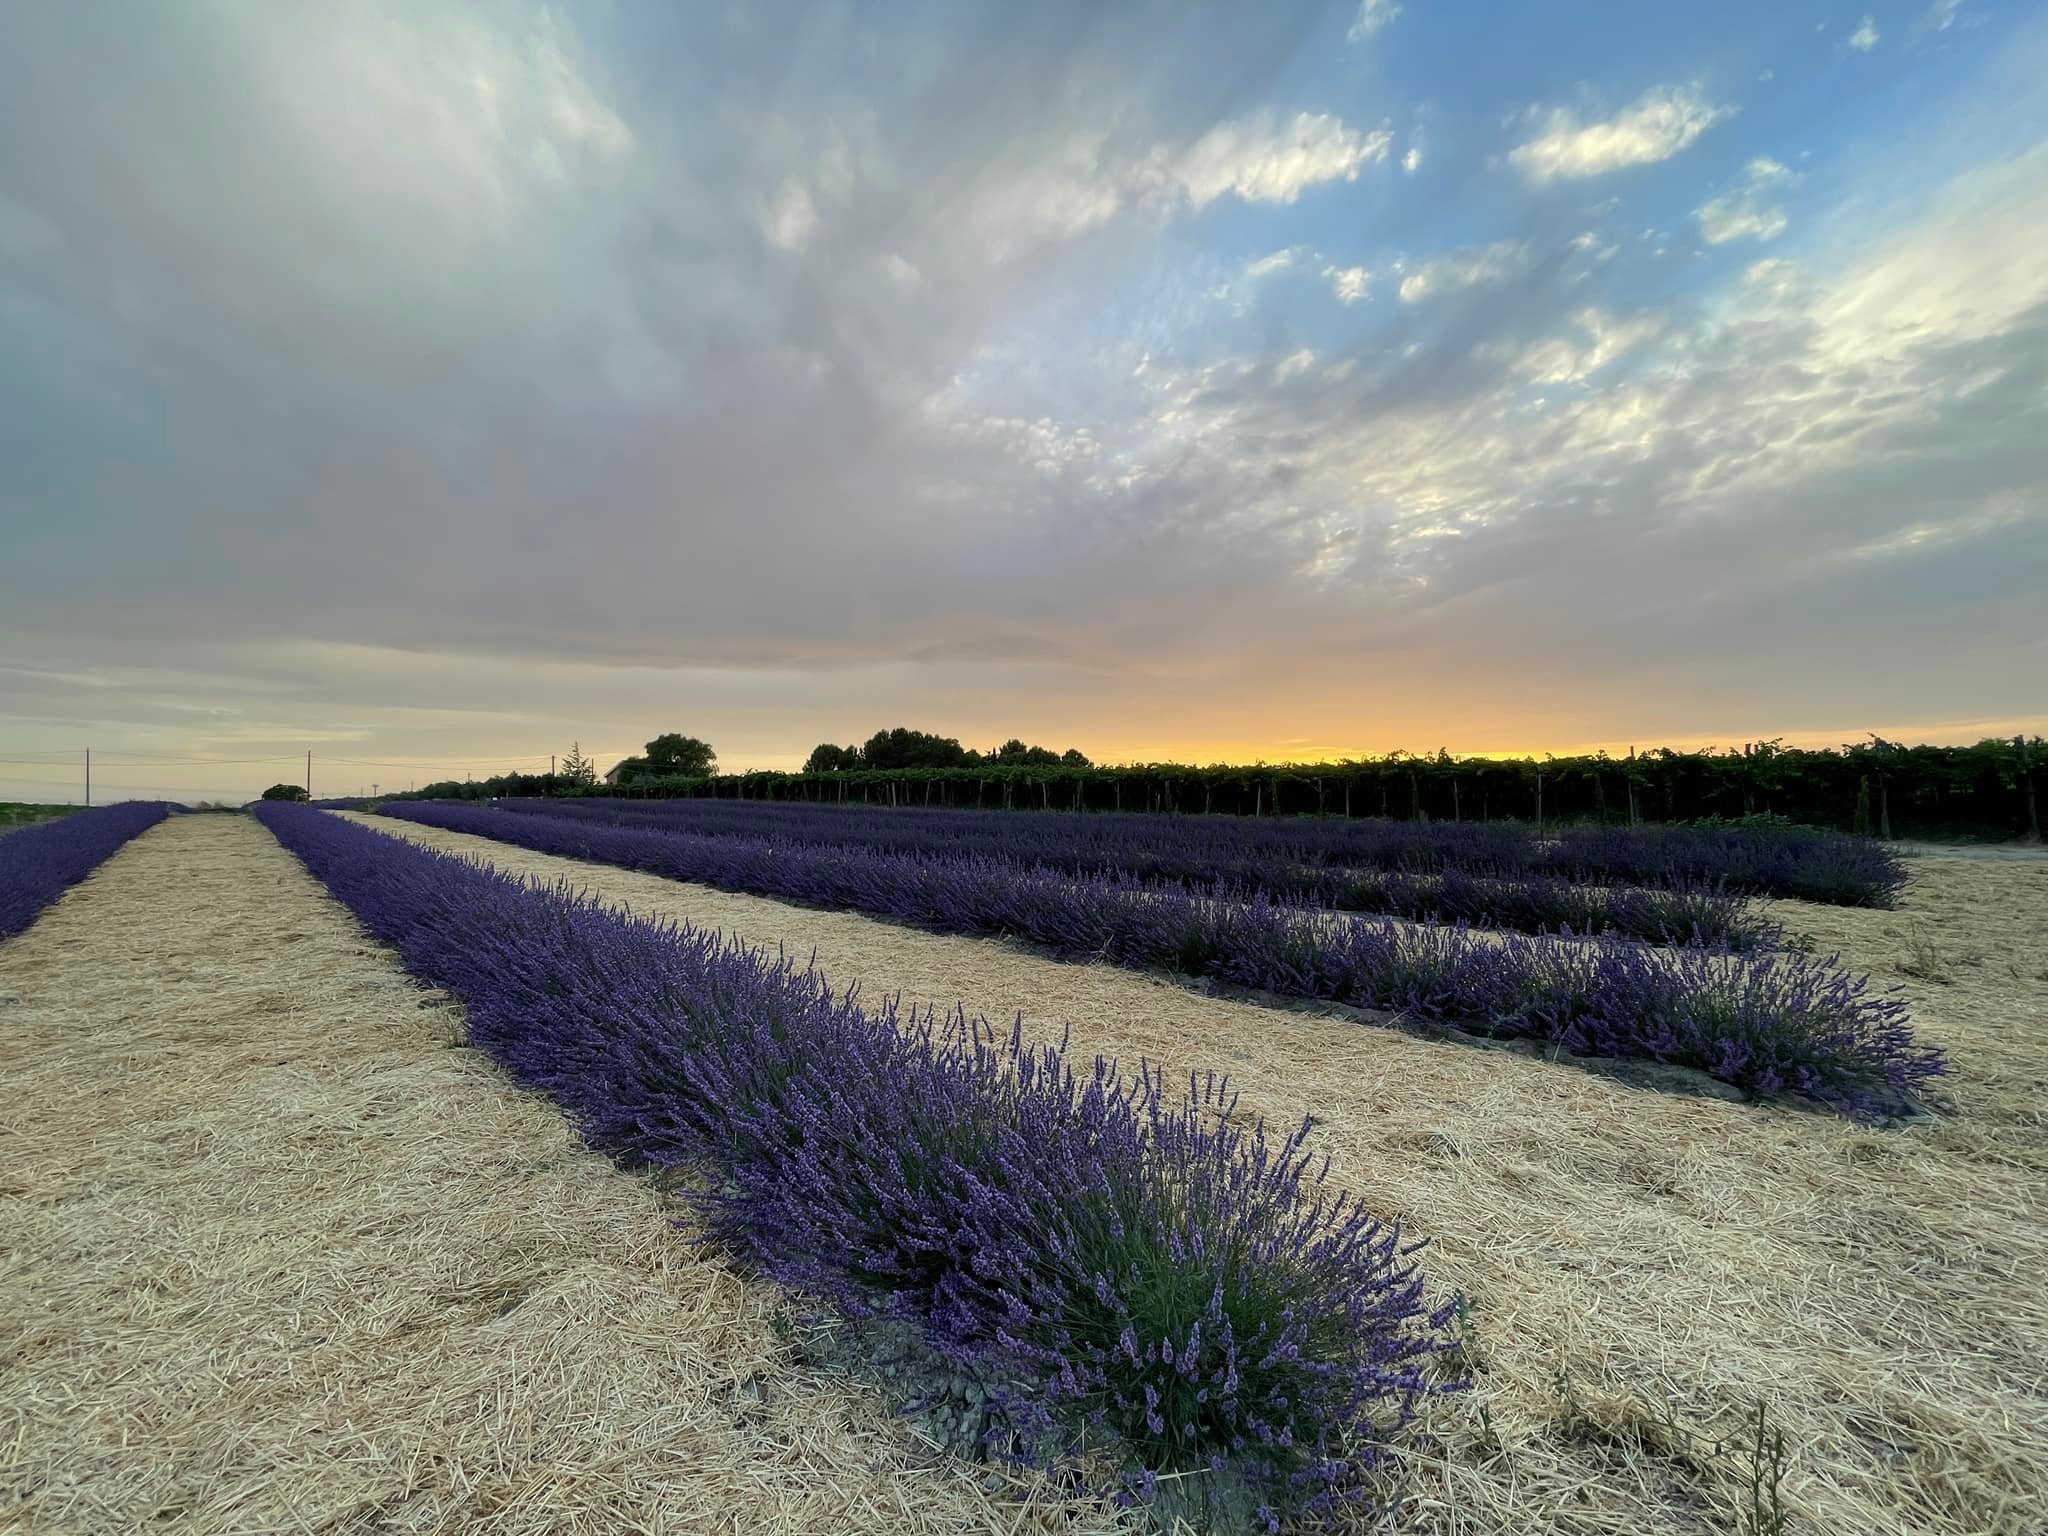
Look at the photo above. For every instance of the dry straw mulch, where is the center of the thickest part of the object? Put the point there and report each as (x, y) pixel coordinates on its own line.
(278, 1256)
(1642, 1267)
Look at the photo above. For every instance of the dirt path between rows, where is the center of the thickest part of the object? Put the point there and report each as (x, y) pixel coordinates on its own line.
(275, 1255)
(1666, 1259)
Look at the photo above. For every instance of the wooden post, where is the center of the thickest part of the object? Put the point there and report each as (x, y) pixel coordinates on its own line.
(1539, 799)
(88, 775)
(1457, 811)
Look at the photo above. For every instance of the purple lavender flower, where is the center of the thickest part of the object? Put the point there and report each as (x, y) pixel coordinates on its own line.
(1767, 1024)
(1149, 1268)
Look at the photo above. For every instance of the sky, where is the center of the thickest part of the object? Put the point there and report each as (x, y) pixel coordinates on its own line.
(430, 386)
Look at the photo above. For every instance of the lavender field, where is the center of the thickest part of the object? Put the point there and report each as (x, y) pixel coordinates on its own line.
(1132, 1255)
(1770, 1023)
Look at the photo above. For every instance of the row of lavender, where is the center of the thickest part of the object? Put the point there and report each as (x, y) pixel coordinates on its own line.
(1125, 1259)
(1771, 1025)
(1761, 859)
(39, 863)
(1526, 901)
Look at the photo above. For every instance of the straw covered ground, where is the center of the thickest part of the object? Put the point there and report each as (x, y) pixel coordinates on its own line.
(1642, 1268)
(278, 1256)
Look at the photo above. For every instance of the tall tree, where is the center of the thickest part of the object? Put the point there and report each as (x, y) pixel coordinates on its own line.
(826, 758)
(905, 748)
(578, 769)
(674, 755)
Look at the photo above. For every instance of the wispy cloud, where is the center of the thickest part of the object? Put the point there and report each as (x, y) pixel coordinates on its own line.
(1350, 284)
(1661, 123)
(1472, 268)
(1372, 16)
(1747, 212)
(1279, 261)
(1267, 160)
(1864, 38)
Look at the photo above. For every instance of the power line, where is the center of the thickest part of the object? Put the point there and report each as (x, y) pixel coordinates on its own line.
(55, 759)
(428, 762)
(143, 762)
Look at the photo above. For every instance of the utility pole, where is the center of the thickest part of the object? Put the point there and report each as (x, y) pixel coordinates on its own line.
(309, 774)
(88, 778)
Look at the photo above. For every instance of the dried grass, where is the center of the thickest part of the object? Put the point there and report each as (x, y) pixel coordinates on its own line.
(1642, 1267)
(280, 1257)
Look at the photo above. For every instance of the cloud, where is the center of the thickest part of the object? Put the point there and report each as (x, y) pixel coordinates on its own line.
(1350, 284)
(466, 334)
(1596, 340)
(1266, 266)
(1265, 160)
(1864, 38)
(1412, 161)
(1372, 16)
(1513, 458)
(1084, 181)
(1746, 213)
(1292, 365)
(1942, 15)
(1474, 267)
(1661, 123)
(791, 219)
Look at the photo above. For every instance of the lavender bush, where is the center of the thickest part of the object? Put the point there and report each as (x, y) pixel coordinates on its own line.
(1161, 1282)
(1182, 851)
(39, 863)
(1774, 1025)
(1761, 857)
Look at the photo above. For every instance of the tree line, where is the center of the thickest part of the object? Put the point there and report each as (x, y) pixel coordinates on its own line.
(900, 748)
(1880, 787)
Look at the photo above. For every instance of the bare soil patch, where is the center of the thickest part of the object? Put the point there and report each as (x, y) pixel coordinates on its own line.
(280, 1256)
(1642, 1267)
